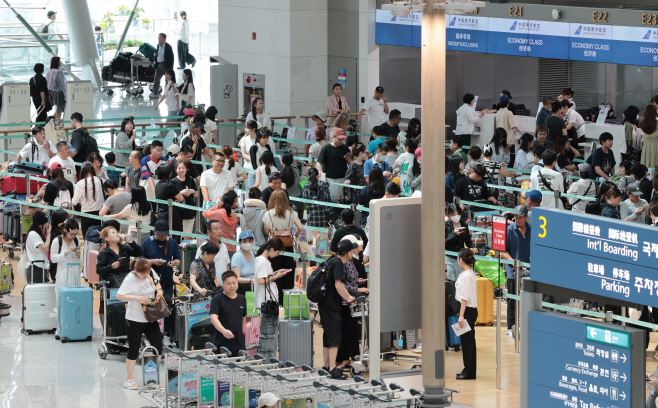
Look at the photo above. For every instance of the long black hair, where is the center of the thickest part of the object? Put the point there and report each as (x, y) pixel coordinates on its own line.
(139, 201)
(227, 202)
(253, 108)
(172, 74)
(499, 139)
(453, 167)
(85, 173)
(630, 114)
(267, 159)
(274, 243)
(313, 179)
(190, 81)
(377, 182)
(411, 134)
(288, 172)
(526, 139)
(211, 112)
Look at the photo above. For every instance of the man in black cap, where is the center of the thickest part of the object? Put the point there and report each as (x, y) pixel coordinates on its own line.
(163, 254)
(50, 26)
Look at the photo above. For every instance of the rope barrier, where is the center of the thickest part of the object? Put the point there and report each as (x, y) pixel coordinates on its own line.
(288, 126)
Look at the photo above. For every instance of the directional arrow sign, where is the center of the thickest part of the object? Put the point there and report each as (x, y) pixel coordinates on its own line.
(592, 332)
(623, 357)
(623, 377)
(623, 395)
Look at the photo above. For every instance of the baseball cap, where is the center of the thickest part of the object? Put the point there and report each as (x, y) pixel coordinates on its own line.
(321, 115)
(245, 235)
(379, 89)
(634, 189)
(353, 239)
(268, 399)
(521, 210)
(189, 112)
(39, 218)
(161, 227)
(504, 98)
(55, 166)
(51, 13)
(174, 149)
(339, 132)
(534, 196)
(585, 168)
(346, 245)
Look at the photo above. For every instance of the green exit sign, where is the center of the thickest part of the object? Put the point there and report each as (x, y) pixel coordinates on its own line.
(607, 336)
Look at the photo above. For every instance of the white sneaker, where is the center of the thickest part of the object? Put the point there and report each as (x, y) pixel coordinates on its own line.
(510, 333)
(131, 385)
(154, 96)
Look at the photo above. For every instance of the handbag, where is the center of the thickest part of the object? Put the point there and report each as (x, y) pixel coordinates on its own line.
(117, 280)
(269, 307)
(158, 309)
(285, 235)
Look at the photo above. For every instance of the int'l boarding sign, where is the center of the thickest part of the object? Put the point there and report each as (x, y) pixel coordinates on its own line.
(499, 233)
(607, 257)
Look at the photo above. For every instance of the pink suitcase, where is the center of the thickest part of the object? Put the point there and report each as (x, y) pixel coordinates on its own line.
(252, 335)
(92, 276)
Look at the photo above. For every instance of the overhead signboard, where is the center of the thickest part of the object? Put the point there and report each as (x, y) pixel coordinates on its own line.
(592, 254)
(590, 42)
(576, 363)
(532, 38)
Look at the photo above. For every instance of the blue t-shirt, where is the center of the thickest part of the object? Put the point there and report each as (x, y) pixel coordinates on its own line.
(372, 146)
(246, 268)
(370, 163)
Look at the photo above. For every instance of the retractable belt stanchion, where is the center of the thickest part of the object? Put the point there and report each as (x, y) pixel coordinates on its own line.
(170, 204)
(498, 294)
(517, 311)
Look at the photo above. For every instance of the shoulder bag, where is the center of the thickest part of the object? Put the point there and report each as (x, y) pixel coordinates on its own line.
(284, 235)
(158, 309)
(269, 307)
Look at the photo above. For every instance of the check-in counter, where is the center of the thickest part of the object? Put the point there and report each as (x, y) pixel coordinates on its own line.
(484, 128)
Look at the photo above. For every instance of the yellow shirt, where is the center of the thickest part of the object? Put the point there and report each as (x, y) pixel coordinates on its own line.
(505, 119)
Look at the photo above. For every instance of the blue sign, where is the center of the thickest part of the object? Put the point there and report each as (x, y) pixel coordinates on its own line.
(568, 370)
(468, 33)
(548, 39)
(607, 336)
(509, 37)
(397, 30)
(635, 46)
(590, 42)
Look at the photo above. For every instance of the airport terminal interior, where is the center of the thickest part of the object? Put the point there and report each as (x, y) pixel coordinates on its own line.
(220, 203)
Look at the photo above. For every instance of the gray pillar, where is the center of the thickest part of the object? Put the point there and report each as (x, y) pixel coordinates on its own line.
(530, 302)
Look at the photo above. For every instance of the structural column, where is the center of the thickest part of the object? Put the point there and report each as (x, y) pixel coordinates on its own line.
(433, 232)
(83, 42)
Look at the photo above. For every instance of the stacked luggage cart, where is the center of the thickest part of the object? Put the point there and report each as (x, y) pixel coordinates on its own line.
(6, 277)
(131, 71)
(207, 378)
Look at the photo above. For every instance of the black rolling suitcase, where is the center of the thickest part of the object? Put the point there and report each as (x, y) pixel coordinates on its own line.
(116, 319)
(452, 316)
(107, 73)
(122, 62)
(202, 332)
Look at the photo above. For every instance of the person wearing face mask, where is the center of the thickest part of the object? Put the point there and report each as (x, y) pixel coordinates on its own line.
(458, 236)
(378, 160)
(243, 262)
(545, 110)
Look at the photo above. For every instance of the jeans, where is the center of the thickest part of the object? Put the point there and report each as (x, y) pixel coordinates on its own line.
(251, 180)
(453, 269)
(269, 335)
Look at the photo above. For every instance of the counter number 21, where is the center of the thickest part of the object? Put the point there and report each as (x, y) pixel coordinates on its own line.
(543, 227)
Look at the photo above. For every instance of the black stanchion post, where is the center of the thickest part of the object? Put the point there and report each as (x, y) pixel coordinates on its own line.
(170, 212)
(517, 311)
(138, 226)
(304, 263)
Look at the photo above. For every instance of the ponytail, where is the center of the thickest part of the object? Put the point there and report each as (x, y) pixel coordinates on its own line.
(313, 179)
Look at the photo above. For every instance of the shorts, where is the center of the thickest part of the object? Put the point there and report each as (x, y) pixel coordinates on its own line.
(58, 99)
(331, 324)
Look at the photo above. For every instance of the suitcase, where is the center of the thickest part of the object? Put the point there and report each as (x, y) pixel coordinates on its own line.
(452, 340)
(122, 62)
(75, 314)
(107, 73)
(202, 332)
(147, 50)
(11, 217)
(24, 167)
(115, 314)
(19, 185)
(485, 301)
(252, 335)
(146, 74)
(296, 336)
(38, 312)
(90, 257)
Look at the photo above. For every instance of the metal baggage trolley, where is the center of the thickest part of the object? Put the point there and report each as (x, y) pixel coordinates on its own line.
(109, 297)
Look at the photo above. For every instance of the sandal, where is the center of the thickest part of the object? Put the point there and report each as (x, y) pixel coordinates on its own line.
(131, 385)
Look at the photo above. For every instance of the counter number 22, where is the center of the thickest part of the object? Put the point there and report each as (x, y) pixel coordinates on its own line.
(543, 227)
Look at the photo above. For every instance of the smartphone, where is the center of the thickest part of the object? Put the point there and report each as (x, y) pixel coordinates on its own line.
(175, 14)
(121, 259)
(286, 271)
(76, 249)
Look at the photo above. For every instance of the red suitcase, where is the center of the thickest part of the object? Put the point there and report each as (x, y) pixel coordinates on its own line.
(19, 184)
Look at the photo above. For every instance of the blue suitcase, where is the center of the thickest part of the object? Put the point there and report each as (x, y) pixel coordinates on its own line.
(452, 340)
(75, 313)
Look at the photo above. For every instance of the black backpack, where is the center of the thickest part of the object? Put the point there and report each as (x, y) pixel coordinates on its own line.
(452, 305)
(315, 285)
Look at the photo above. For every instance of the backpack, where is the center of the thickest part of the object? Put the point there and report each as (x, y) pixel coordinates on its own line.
(90, 144)
(43, 28)
(315, 285)
(63, 196)
(94, 234)
(452, 305)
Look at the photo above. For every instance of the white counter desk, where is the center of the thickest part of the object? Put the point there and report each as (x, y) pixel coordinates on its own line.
(484, 128)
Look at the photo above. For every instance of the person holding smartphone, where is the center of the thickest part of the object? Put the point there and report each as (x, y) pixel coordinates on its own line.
(64, 250)
(266, 289)
(458, 236)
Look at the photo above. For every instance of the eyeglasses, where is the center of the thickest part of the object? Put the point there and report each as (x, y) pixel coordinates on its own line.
(157, 150)
(219, 160)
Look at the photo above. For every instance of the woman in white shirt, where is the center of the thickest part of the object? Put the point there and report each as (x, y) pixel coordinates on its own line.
(171, 97)
(187, 94)
(525, 158)
(139, 288)
(248, 140)
(37, 245)
(467, 295)
(65, 250)
(211, 126)
(258, 113)
(139, 209)
(89, 194)
(231, 165)
(264, 170)
(265, 288)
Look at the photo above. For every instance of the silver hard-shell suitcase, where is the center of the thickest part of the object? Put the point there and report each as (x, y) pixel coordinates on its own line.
(296, 335)
(39, 303)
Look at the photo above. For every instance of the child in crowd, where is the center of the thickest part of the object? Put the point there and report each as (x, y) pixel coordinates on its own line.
(110, 159)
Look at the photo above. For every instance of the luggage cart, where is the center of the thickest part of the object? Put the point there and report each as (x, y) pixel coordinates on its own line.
(188, 310)
(133, 82)
(6, 277)
(109, 297)
(360, 308)
(364, 394)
